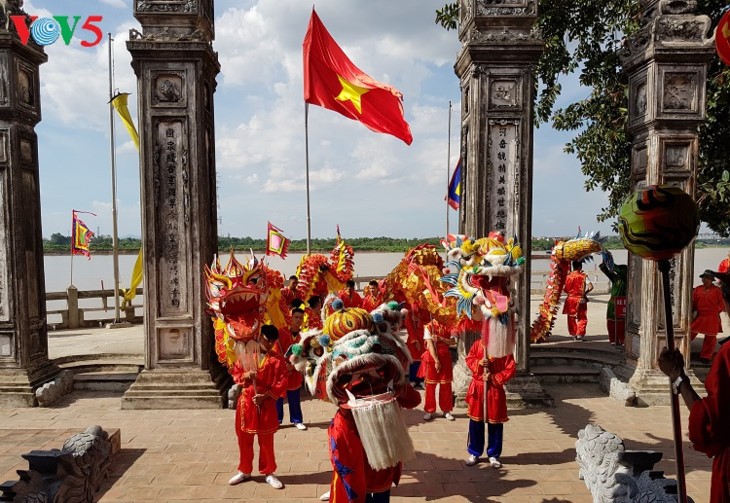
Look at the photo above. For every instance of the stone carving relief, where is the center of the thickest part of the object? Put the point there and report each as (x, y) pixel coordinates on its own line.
(4, 80)
(166, 6)
(676, 156)
(165, 35)
(75, 473)
(678, 6)
(683, 29)
(26, 151)
(168, 90)
(6, 345)
(4, 148)
(476, 36)
(503, 93)
(640, 104)
(4, 308)
(485, 8)
(174, 343)
(25, 88)
(680, 92)
(616, 475)
(172, 195)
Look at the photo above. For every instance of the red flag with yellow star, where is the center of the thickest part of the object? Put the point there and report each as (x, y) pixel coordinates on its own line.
(332, 81)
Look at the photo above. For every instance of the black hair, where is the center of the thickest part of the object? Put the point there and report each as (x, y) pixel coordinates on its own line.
(577, 264)
(297, 304)
(373, 282)
(351, 283)
(292, 277)
(297, 310)
(270, 332)
(315, 300)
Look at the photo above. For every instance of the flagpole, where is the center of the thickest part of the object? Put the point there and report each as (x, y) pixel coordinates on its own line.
(306, 156)
(448, 176)
(115, 240)
(72, 248)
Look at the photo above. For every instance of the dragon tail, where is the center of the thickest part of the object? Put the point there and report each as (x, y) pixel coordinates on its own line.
(543, 324)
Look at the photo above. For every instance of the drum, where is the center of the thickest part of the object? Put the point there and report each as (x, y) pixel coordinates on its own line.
(382, 430)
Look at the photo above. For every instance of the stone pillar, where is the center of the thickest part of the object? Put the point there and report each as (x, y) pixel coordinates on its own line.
(176, 68)
(500, 47)
(665, 63)
(24, 364)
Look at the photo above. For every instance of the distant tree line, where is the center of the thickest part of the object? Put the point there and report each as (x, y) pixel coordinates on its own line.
(59, 244)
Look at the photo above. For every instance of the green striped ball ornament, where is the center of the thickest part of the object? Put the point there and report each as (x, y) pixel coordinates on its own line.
(658, 221)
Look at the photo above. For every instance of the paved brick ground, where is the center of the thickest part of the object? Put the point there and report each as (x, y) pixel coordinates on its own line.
(190, 454)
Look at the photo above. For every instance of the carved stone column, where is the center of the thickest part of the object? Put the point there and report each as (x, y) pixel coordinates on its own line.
(176, 68)
(24, 364)
(500, 46)
(665, 63)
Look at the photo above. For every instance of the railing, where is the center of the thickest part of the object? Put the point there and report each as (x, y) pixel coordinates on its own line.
(92, 308)
(88, 308)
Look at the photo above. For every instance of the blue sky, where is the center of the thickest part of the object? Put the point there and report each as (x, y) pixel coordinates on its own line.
(370, 184)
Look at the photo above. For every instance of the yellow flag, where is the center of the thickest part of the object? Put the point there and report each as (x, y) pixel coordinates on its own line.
(120, 105)
(131, 293)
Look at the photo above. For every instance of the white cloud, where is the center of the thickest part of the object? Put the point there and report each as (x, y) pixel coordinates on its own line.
(117, 4)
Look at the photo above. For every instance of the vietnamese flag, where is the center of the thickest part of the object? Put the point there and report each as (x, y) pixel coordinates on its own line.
(332, 81)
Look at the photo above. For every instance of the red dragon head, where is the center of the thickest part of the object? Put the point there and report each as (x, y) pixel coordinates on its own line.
(237, 296)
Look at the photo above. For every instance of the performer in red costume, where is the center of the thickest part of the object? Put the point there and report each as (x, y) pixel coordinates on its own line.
(256, 409)
(577, 287)
(313, 315)
(373, 296)
(414, 327)
(289, 292)
(437, 369)
(288, 337)
(493, 373)
(707, 304)
(349, 296)
(353, 479)
(708, 417)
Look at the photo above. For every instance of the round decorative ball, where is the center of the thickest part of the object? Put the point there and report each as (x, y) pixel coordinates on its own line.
(658, 221)
(341, 323)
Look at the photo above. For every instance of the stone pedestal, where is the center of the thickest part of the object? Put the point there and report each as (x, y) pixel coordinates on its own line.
(500, 46)
(24, 364)
(665, 63)
(176, 68)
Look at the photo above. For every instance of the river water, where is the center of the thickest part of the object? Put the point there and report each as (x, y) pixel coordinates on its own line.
(99, 272)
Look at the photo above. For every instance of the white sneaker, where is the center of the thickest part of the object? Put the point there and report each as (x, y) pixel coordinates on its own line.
(325, 496)
(448, 416)
(495, 462)
(274, 482)
(472, 460)
(427, 416)
(238, 478)
(300, 426)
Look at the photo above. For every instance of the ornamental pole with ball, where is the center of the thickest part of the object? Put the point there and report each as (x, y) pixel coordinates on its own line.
(656, 223)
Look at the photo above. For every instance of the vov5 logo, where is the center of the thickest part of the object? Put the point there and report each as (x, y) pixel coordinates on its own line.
(46, 30)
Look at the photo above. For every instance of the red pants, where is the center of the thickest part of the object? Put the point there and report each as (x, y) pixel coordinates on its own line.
(267, 460)
(616, 330)
(446, 397)
(577, 324)
(708, 346)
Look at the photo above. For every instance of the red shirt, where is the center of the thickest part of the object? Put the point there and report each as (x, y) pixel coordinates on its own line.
(350, 299)
(270, 380)
(283, 344)
(500, 370)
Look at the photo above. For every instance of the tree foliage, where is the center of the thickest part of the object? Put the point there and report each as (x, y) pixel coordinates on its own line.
(586, 36)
